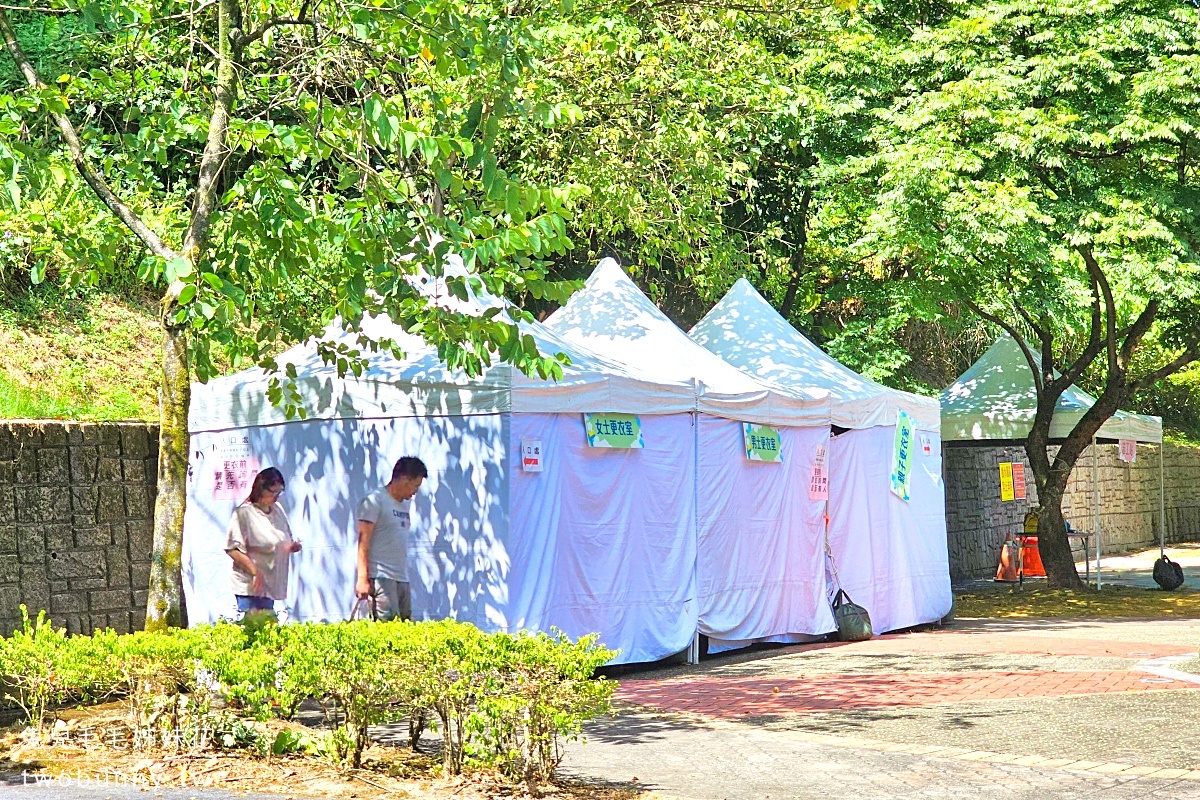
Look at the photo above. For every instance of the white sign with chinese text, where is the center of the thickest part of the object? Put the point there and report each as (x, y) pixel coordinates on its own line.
(531, 455)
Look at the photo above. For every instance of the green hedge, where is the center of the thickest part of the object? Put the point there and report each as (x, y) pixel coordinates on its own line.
(502, 700)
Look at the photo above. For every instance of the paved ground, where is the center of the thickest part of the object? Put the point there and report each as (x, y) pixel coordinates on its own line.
(1136, 569)
(988, 709)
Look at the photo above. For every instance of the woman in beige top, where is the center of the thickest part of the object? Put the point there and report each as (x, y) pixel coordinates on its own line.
(260, 543)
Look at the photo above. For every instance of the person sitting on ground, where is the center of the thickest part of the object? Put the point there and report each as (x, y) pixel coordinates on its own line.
(260, 543)
(384, 522)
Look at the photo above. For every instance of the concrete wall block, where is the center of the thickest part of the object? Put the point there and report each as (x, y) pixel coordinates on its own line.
(10, 569)
(119, 622)
(8, 539)
(108, 470)
(141, 539)
(35, 587)
(73, 603)
(92, 434)
(85, 500)
(53, 466)
(111, 504)
(30, 545)
(78, 564)
(134, 471)
(87, 584)
(10, 601)
(109, 600)
(25, 463)
(135, 441)
(139, 575)
(58, 537)
(43, 504)
(137, 502)
(93, 537)
(110, 436)
(8, 505)
(85, 462)
(117, 558)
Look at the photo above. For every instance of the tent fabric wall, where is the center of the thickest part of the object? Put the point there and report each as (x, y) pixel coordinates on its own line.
(760, 564)
(600, 542)
(995, 399)
(329, 466)
(603, 539)
(745, 595)
(890, 555)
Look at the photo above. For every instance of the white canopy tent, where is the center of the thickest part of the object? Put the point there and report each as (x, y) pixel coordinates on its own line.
(759, 536)
(601, 540)
(995, 400)
(890, 554)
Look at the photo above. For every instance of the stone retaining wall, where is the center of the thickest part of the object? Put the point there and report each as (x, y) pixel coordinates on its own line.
(76, 506)
(978, 522)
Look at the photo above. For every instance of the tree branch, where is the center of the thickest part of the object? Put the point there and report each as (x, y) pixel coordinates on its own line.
(54, 12)
(1015, 334)
(1095, 340)
(75, 146)
(1110, 306)
(241, 40)
(1190, 354)
(1135, 332)
(213, 159)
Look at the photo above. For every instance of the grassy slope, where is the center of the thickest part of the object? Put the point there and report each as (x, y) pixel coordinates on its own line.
(88, 356)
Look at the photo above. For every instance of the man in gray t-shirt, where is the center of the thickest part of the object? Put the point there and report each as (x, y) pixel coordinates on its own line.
(383, 527)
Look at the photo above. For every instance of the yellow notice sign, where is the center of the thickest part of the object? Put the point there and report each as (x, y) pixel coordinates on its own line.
(1006, 481)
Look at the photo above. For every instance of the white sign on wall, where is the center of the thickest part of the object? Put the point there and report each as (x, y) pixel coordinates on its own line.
(531, 455)
(1128, 450)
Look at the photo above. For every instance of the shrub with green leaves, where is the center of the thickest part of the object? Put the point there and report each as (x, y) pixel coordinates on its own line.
(31, 663)
(502, 700)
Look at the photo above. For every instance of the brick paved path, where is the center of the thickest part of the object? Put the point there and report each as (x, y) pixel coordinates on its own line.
(734, 698)
(1020, 710)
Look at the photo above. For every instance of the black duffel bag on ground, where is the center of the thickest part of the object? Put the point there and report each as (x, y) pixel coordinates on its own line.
(853, 622)
(1167, 574)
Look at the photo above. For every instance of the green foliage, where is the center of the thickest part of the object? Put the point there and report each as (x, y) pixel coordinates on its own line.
(77, 353)
(359, 160)
(32, 665)
(501, 700)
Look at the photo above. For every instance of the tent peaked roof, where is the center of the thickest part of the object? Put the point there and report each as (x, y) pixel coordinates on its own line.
(747, 332)
(996, 399)
(420, 384)
(612, 317)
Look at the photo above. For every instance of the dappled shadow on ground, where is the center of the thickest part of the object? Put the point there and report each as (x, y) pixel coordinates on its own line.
(861, 722)
(630, 727)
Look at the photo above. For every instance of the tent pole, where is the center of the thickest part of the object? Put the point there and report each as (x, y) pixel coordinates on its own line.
(1096, 502)
(1162, 499)
(693, 653)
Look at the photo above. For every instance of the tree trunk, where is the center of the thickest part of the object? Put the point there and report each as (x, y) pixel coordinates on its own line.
(164, 607)
(1053, 545)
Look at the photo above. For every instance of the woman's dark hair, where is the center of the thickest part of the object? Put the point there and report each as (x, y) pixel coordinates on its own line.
(264, 480)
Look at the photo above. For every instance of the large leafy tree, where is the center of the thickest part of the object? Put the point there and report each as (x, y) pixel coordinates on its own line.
(1041, 170)
(273, 165)
(707, 135)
